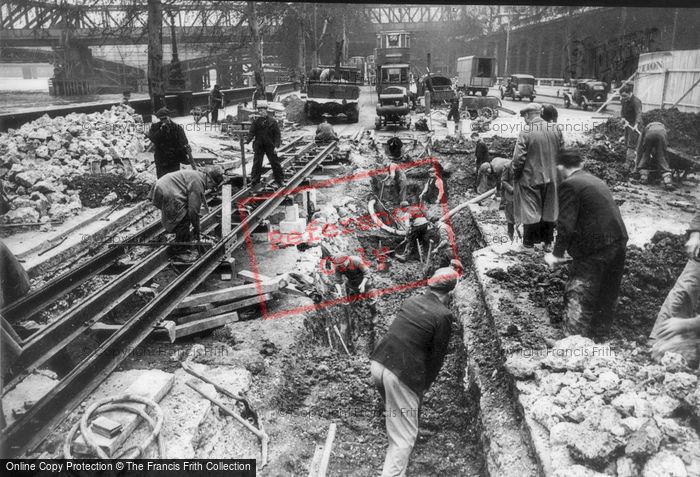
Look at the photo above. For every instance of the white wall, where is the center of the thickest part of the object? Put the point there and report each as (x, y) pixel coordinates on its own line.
(25, 76)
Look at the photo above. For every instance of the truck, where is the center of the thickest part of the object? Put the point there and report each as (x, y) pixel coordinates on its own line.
(392, 59)
(476, 74)
(333, 96)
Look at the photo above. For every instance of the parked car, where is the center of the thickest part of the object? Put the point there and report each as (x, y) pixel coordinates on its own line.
(442, 88)
(586, 93)
(393, 107)
(519, 87)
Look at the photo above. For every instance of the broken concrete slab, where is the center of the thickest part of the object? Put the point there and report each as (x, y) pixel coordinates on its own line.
(33, 388)
(152, 384)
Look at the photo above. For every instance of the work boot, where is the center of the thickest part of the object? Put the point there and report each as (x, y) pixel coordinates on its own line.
(644, 176)
(668, 182)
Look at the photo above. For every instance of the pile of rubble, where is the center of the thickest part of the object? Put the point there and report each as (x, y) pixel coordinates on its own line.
(683, 128)
(649, 275)
(603, 411)
(40, 160)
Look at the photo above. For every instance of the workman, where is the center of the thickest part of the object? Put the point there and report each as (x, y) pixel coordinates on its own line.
(325, 133)
(14, 284)
(326, 75)
(406, 362)
(434, 190)
(14, 281)
(397, 177)
(266, 136)
(170, 143)
(453, 114)
(481, 154)
(535, 177)
(653, 145)
(591, 230)
(631, 114)
(490, 173)
(216, 101)
(550, 113)
(417, 232)
(677, 326)
(180, 196)
(355, 273)
(442, 254)
(395, 148)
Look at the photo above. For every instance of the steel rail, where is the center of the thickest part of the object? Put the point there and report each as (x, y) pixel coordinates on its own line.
(37, 300)
(29, 430)
(40, 347)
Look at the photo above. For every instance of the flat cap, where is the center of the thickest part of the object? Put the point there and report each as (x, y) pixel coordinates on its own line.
(162, 112)
(531, 107)
(444, 279)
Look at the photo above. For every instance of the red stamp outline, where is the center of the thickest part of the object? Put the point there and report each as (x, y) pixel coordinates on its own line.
(329, 183)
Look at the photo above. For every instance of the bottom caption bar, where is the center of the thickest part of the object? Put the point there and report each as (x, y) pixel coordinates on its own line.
(130, 468)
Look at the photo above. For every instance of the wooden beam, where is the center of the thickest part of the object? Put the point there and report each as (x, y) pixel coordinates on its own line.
(236, 305)
(198, 326)
(164, 330)
(290, 289)
(232, 293)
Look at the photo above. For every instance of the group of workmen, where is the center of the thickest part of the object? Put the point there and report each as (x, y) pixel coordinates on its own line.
(543, 187)
(180, 194)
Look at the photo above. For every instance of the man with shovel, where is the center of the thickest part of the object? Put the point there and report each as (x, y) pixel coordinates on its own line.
(591, 230)
(631, 113)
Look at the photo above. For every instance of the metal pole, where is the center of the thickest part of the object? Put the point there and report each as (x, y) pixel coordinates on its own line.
(505, 65)
(242, 143)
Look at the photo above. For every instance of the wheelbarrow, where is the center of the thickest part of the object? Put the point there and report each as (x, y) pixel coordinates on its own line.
(486, 107)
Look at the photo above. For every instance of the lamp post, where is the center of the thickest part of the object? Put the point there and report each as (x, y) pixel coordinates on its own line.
(505, 63)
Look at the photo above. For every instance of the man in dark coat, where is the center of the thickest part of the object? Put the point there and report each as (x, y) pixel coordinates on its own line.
(591, 230)
(631, 113)
(266, 136)
(170, 142)
(481, 153)
(535, 177)
(216, 101)
(651, 153)
(406, 362)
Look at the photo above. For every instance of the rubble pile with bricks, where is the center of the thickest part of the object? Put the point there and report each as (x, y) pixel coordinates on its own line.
(39, 160)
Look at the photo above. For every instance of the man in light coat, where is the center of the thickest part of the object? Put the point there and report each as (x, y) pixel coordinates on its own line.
(535, 177)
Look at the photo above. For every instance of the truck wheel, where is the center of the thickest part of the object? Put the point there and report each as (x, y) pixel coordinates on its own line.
(486, 112)
(532, 98)
(483, 92)
(567, 102)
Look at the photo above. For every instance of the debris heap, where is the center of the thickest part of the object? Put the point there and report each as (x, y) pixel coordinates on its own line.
(602, 409)
(40, 163)
(649, 275)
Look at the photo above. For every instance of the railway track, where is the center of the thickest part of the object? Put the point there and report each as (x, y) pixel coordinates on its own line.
(301, 158)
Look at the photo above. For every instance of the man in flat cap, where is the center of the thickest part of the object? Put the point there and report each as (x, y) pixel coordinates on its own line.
(170, 143)
(408, 359)
(267, 137)
(180, 196)
(535, 177)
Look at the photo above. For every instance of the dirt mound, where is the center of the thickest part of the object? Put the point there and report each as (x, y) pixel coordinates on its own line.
(501, 146)
(683, 128)
(93, 188)
(649, 275)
